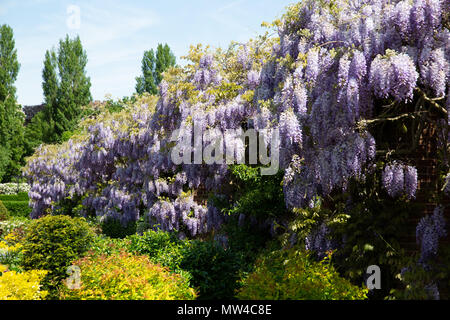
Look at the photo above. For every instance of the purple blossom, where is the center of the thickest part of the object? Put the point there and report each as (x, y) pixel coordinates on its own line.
(399, 179)
(410, 181)
(358, 66)
(394, 75)
(312, 68)
(365, 50)
(400, 18)
(425, 16)
(435, 70)
(433, 291)
(253, 79)
(428, 232)
(244, 58)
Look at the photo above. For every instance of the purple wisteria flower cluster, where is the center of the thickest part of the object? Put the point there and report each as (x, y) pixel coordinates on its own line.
(428, 232)
(349, 55)
(399, 179)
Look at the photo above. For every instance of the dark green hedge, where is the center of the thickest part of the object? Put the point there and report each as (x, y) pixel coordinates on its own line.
(14, 197)
(18, 208)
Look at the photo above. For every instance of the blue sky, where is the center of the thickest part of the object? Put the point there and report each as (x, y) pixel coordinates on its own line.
(116, 33)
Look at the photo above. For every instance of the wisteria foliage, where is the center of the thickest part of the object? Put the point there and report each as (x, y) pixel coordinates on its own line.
(317, 83)
(319, 241)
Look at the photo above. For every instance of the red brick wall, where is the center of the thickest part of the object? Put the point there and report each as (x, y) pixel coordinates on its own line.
(425, 158)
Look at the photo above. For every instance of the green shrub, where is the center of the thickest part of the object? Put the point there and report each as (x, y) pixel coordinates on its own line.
(107, 246)
(4, 214)
(214, 270)
(161, 247)
(292, 275)
(18, 208)
(143, 225)
(254, 195)
(23, 196)
(126, 277)
(113, 228)
(52, 243)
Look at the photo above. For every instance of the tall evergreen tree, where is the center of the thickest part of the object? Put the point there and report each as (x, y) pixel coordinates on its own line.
(147, 82)
(46, 121)
(153, 66)
(11, 115)
(164, 60)
(66, 87)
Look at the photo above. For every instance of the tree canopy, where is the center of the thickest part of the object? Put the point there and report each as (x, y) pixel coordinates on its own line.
(66, 87)
(153, 66)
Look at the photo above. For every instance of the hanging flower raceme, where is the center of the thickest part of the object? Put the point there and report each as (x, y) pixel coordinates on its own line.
(399, 179)
(393, 75)
(428, 232)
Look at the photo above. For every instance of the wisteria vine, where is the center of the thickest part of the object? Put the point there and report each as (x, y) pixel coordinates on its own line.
(318, 83)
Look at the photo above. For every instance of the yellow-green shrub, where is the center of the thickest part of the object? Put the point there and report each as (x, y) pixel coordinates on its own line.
(292, 275)
(122, 276)
(22, 286)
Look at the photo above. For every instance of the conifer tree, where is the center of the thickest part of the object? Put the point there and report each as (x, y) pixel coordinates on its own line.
(11, 115)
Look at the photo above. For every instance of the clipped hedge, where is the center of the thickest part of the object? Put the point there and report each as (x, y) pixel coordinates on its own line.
(18, 208)
(23, 196)
(291, 274)
(123, 276)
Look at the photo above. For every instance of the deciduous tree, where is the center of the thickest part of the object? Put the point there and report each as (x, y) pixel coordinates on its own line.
(153, 67)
